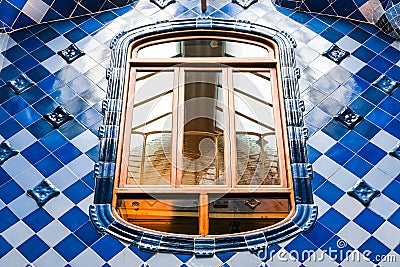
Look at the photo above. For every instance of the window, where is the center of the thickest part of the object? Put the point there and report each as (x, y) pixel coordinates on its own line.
(202, 144)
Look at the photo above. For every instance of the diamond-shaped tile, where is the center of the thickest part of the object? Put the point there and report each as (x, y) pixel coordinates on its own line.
(58, 117)
(6, 152)
(336, 54)
(43, 192)
(386, 84)
(363, 192)
(348, 118)
(71, 53)
(396, 152)
(244, 3)
(20, 84)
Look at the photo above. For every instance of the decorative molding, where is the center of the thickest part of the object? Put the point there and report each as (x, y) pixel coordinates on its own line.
(101, 210)
(58, 117)
(336, 54)
(363, 192)
(43, 192)
(386, 84)
(71, 53)
(6, 152)
(396, 152)
(245, 3)
(20, 84)
(162, 3)
(348, 117)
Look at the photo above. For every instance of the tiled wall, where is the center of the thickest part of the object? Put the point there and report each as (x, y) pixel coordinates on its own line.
(59, 233)
(16, 14)
(382, 13)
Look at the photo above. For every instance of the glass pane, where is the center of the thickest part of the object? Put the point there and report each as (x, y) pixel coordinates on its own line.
(203, 141)
(235, 213)
(257, 156)
(162, 212)
(204, 48)
(150, 147)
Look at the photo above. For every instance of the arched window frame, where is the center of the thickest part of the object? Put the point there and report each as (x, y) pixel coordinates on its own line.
(101, 212)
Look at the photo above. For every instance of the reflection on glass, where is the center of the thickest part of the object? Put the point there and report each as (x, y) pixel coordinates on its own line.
(204, 48)
(162, 212)
(150, 147)
(256, 150)
(203, 142)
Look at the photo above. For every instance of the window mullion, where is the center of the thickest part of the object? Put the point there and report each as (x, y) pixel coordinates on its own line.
(230, 144)
(203, 214)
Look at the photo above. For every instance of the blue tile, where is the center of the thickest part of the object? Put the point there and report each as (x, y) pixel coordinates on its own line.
(390, 105)
(224, 256)
(48, 165)
(9, 128)
(35, 152)
(11, 11)
(4, 247)
(89, 180)
(339, 249)
(23, 21)
(339, 153)
(65, 8)
(50, 84)
(376, 44)
(39, 128)
(369, 220)
(373, 95)
(38, 73)
(391, 54)
(186, 257)
(356, 84)
(8, 219)
(300, 244)
(368, 74)
(313, 154)
(43, 192)
(361, 107)
(358, 166)
(42, 53)
(14, 105)
(107, 247)
(6, 94)
(67, 153)
(344, 26)
(105, 17)
(319, 234)
(392, 128)
(359, 35)
(38, 219)
(90, 26)
(63, 26)
(14, 53)
(53, 140)
(9, 72)
(317, 180)
(74, 218)
(333, 220)
(70, 247)
(376, 250)
(77, 191)
(10, 191)
(4, 177)
(364, 54)
(380, 64)
(72, 129)
(335, 129)
(27, 116)
(88, 234)
(33, 248)
(143, 255)
(366, 129)
(26, 63)
(76, 105)
(75, 35)
(89, 117)
(329, 193)
(372, 153)
(45, 105)
(353, 141)
(392, 191)
(395, 218)
(316, 25)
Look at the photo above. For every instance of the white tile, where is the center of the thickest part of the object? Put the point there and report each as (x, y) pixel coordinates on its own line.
(29, 178)
(22, 206)
(320, 44)
(83, 64)
(51, 257)
(348, 44)
(325, 166)
(54, 63)
(84, 204)
(322, 206)
(22, 140)
(389, 165)
(323, 64)
(348, 206)
(204, 262)
(33, 12)
(356, 259)
(283, 259)
(47, 234)
(343, 179)
(17, 234)
(384, 140)
(59, 205)
(16, 165)
(58, 43)
(388, 234)
(39, 4)
(321, 141)
(104, 35)
(85, 141)
(126, 258)
(87, 44)
(319, 258)
(87, 258)
(353, 234)
(377, 179)
(13, 258)
(244, 259)
(63, 178)
(81, 166)
(383, 206)
(164, 259)
(352, 64)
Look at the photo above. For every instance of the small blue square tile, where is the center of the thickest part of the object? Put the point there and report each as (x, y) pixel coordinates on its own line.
(392, 128)
(74, 218)
(35, 152)
(368, 74)
(14, 105)
(376, 250)
(88, 234)
(10, 191)
(72, 129)
(89, 180)
(107, 247)
(26, 63)
(391, 54)
(313, 154)
(329, 193)
(5, 247)
(4, 177)
(364, 54)
(14, 53)
(333, 220)
(38, 219)
(38, 73)
(33, 248)
(48, 165)
(32, 95)
(8, 219)
(75, 35)
(42, 53)
(366, 129)
(27, 116)
(67, 153)
(53, 140)
(78, 191)
(380, 64)
(392, 191)
(300, 244)
(373, 95)
(376, 44)
(39, 128)
(395, 218)
(70, 247)
(358, 166)
(47, 34)
(31, 44)
(353, 141)
(332, 35)
(63, 26)
(338, 248)
(9, 128)
(359, 35)
(317, 180)
(335, 129)
(361, 107)
(319, 234)
(372, 153)
(339, 153)
(391, 106)
(45, 105)
(369, 220)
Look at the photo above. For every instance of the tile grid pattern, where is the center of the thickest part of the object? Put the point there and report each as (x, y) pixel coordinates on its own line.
(66, 156)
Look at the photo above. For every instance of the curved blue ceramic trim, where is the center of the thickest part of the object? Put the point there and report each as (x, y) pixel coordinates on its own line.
(305, 211)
